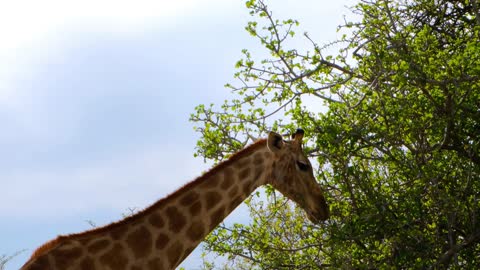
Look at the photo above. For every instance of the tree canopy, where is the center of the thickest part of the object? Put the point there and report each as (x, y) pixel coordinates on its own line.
(396, 147)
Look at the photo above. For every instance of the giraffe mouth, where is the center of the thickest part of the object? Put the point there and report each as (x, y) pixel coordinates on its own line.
(319, 213)
(317, 217)
(316, 212)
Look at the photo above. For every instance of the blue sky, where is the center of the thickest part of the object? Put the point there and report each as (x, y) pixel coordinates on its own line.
(95, 99)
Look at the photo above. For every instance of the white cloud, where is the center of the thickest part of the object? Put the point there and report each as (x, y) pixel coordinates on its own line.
(32, 33)
(30, 30)
(23, 21)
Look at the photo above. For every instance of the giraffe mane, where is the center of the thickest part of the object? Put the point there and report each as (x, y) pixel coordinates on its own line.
(172, 196)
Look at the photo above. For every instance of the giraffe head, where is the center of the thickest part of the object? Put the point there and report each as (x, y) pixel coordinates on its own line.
(292, 175)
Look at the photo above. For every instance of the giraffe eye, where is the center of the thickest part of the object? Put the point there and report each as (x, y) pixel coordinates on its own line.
(303, 166)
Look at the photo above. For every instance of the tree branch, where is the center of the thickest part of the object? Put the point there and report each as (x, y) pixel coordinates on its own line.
(446, 258)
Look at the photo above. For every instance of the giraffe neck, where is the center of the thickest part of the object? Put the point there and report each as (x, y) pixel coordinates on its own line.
(164, 234)
(199, 208)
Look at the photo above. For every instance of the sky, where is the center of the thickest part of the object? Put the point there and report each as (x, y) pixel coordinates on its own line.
(95, 98)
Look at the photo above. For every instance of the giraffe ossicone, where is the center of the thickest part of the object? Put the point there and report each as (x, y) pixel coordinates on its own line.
(163, 235)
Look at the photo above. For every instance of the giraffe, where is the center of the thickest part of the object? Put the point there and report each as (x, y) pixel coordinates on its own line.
(164, 234)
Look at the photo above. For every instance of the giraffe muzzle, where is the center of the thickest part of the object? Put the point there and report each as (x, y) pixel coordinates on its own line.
(320, 212)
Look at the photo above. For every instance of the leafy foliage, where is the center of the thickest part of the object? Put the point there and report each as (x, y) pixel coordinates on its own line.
(397, 150)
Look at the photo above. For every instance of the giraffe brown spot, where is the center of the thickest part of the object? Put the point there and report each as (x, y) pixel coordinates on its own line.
(210, 182)
(244, 173)
(258, 159)
(115, 258)
(258, 172)
(228, 172)
(266, 155)
(195, 231)
(244, 162)
(98, 246)
(66, 256)
(189, 198)
(118, 232)
(85, 241)
(134, 267)
(188, 251)
(195, 208)
(87, 264)
(155, 264)
(176, 221)
(156, 220)
(162, 241)
(235, 202)
(217, 217)
(233, 191)
(247, 187)
(140, 242)
(174, 253)
(212, 198)
(227, 181)
(41, 263)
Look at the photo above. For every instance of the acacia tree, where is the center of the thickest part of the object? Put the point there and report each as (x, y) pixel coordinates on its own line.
(397, 147)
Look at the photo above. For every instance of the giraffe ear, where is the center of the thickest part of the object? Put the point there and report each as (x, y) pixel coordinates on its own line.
(274, 141)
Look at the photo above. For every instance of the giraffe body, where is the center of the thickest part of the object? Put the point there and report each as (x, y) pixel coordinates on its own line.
(164, 234)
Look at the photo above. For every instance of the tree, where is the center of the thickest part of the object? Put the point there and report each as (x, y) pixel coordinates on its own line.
(4, 259)
(397, 150)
